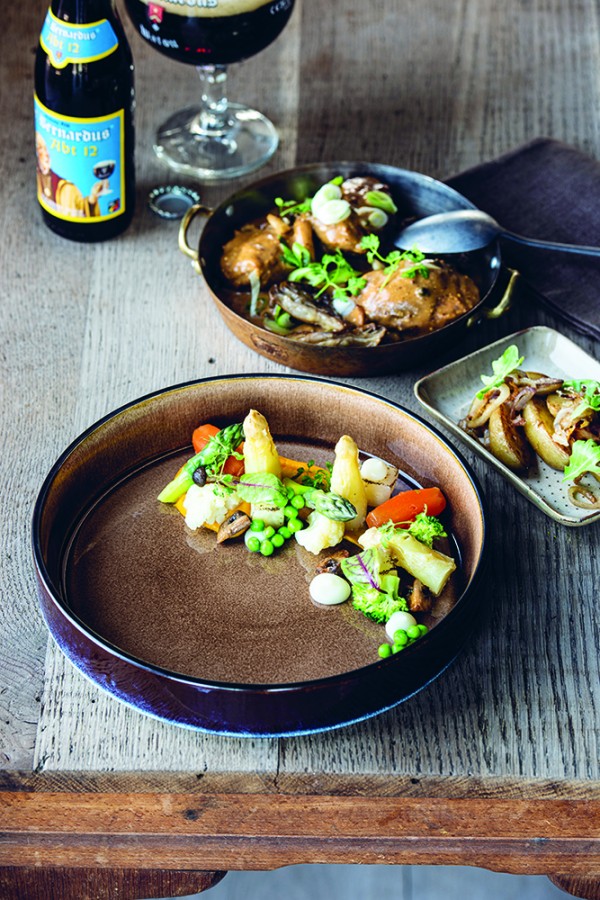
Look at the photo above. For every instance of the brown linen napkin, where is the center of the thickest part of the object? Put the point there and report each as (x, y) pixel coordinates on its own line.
(546, 190)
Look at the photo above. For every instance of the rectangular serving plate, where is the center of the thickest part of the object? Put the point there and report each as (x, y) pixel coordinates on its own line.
(448, 393)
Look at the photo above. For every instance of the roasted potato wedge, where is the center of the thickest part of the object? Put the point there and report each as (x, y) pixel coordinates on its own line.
(507, 441)
(539, 428)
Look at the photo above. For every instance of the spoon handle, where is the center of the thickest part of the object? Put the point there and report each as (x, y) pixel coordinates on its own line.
(551, 245)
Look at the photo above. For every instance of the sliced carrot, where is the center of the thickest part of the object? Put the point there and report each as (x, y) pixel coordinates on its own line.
(200, 439)
(405, 506)
(202, 435)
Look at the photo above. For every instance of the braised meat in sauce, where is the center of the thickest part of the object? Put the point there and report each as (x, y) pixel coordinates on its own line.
(318, 271)
(254, 248)
(418, 304)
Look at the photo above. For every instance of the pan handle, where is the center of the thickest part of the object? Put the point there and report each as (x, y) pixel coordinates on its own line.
(502, 306)
(195, 210)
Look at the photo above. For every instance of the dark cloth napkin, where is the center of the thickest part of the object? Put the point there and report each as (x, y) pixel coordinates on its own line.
(546, 190)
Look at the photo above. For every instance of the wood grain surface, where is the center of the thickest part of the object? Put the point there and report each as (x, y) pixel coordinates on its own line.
(432, 86)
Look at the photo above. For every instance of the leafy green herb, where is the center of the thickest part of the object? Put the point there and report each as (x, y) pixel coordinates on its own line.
(590, 394)
(585, 457)
(501, 367)
(295, 256)
(321, 479)
(371, 242)
(333, 272)
(258, 487)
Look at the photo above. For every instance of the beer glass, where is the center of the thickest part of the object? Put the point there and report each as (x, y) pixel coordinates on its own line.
(217, 139)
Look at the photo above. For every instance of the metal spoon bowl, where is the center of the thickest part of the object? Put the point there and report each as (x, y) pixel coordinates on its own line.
(469, 229)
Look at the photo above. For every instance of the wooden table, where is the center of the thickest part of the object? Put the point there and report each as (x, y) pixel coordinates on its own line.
(497, 763)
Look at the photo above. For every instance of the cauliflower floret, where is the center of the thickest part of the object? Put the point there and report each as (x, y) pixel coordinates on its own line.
(321, 532)
(208, 504)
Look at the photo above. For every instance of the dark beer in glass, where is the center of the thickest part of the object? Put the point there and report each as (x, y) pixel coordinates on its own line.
(218, 139)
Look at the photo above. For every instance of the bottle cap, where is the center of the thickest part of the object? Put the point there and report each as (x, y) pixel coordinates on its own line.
(172, 201)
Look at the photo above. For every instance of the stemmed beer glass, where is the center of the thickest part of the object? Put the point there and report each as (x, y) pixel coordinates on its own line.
(217, 139)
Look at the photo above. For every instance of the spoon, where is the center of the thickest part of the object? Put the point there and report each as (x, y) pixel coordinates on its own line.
(469, 229)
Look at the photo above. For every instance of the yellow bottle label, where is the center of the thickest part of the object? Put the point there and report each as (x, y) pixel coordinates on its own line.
(66, 43)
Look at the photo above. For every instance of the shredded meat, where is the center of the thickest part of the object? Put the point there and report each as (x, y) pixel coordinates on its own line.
(417, 304)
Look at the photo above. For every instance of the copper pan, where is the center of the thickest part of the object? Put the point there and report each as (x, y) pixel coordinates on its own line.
(416, 195)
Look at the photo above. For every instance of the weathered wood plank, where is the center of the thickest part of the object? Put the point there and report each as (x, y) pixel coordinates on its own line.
(62, 883)
(253, 831)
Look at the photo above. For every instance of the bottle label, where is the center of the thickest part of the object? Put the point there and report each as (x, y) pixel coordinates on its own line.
(67, 43)
(80, 165)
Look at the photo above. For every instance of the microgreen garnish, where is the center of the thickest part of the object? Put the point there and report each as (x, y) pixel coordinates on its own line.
(333, 272)
(370, 243)
(501, 367)
(320, 479)
(292, 207)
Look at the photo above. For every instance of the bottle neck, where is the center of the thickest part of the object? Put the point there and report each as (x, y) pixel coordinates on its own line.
(82, 12)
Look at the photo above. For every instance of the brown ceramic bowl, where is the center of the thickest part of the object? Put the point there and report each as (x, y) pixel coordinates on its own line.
(415, 195)
(211, 636)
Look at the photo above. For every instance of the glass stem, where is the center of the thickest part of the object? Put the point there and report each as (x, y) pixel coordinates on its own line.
(212, 119)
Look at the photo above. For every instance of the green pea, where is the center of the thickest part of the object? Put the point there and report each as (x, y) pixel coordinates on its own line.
(266, 548)
(396, 648)
(269, 531)
(278, 540)
(384, 650)
(423, 629)
(413, 632)
(400, 637)
(295, 525)
(253, 544)
(285, 532)
(257, 525)
(290, 512)
(297, 502)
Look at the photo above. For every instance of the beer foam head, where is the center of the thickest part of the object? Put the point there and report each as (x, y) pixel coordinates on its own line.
(208, 8)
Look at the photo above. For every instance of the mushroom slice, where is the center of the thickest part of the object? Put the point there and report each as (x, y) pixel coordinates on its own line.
(233, 526)
(506, 440)
(302, 306)
(539, 430)
(419, 598)
(332, 563)
(369, 336)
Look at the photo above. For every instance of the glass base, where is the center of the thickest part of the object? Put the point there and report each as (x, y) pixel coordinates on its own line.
(247, 142)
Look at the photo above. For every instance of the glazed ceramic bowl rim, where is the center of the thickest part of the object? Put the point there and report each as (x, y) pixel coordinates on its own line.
(196, 681)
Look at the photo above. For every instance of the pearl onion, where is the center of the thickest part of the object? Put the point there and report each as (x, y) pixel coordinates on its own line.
(399, 620)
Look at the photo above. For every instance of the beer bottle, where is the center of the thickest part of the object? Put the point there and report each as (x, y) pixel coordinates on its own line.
(84, 100)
